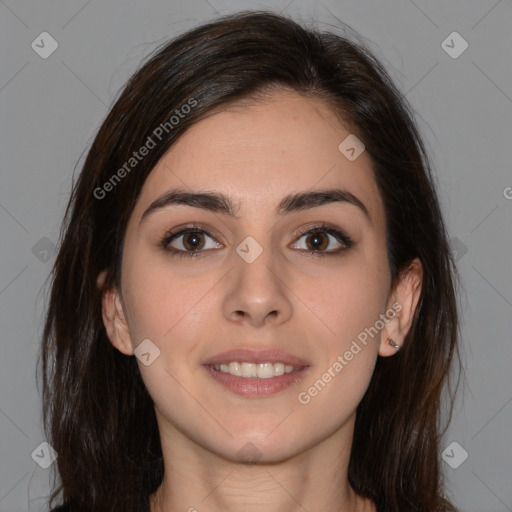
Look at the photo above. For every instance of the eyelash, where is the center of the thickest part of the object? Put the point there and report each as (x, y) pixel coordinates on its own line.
(339, 235)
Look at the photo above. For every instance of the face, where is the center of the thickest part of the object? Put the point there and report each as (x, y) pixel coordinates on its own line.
(278, 280)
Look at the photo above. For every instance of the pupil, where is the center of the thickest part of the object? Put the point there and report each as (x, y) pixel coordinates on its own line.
(192, 240)
(317, 241)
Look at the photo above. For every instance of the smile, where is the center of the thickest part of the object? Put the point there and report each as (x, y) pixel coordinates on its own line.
(255, 370)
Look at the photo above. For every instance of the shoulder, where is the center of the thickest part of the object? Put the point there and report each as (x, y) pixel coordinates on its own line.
(66, 508)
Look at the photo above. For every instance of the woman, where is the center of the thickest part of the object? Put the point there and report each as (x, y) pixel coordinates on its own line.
(254, 302)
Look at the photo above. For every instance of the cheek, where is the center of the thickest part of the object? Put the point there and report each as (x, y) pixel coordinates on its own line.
(162, 301)
(344, 302)
(169, 309)
(349, 306)
(340, 379)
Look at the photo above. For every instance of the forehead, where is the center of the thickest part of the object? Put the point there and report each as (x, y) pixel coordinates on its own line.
(258, 152)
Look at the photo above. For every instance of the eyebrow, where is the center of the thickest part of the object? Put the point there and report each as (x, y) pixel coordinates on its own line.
(220, 203)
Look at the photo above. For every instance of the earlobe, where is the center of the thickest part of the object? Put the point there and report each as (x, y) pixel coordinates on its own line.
(114, 319)
(404, 300)
(390, 341)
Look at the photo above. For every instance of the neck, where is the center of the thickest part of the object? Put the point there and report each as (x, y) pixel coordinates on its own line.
(198, 480)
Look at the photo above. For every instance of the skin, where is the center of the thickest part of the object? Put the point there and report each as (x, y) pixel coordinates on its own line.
(312, 307)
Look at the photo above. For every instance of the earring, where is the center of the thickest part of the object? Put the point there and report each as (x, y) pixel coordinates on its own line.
(393, 344)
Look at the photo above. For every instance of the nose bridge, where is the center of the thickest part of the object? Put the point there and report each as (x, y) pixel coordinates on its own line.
(257, 293)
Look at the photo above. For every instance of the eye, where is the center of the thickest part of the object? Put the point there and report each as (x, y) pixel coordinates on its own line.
(194, 241)
(189, 241)
(324, 240)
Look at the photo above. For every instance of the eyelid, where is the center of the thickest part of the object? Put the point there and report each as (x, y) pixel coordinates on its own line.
(318, 226)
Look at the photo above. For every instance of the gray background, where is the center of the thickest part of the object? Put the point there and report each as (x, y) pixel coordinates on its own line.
(51, 108)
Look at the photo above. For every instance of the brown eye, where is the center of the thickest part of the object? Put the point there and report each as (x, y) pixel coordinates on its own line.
(193, 240)
(323, 240)
(189, 241)
(317, 241)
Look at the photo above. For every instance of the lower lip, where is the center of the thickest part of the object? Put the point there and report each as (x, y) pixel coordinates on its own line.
(253, 387)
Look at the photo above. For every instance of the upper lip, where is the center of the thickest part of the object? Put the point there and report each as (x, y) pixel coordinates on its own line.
(246, 355)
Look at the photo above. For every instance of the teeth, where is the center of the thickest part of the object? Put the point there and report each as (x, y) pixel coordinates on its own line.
(265, 370)
(279, 368)
(234, 369)
(249, 369)
(254, 370)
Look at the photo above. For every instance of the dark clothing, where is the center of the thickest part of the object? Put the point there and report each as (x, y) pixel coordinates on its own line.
(65, 508)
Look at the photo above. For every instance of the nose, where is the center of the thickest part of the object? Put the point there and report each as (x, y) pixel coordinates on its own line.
(257, 293)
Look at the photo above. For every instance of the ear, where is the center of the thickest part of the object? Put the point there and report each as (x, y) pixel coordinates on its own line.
(114, 318)
(402, 301)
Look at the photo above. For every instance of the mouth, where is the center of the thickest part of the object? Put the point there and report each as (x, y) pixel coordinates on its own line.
(256, 373)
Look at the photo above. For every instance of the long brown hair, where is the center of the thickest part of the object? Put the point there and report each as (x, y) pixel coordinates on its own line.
(98, 414)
